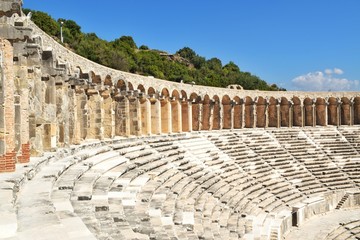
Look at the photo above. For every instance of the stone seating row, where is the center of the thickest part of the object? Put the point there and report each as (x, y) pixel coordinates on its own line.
(347, 230)
(208, 185)
(316, 161)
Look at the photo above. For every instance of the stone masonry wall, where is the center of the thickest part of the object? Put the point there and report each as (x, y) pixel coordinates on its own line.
(50, 98)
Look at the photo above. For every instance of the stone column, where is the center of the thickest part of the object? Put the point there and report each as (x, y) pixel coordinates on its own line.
(302, 113)
(145, 106)
(314, 112)
(278, 113)
(134, 114)
(81, 119)
(122, 119)
(7, 110)
(254, 103)
(95, 117)
(351, 111)
(232, 104)
(167, 116)
(211, 118)
(200, 105)
(266, 113)
(243, 124)
(291, 104)
(338, 100)
(190, 115)
(176, 115)
(326, 111)
(155, 116)
(108, 123)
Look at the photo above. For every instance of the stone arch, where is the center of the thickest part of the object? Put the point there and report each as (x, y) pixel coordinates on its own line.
(273, 112)
(94, 78)
(141, 88)
(227, 108)
(108, 81)
(195, 111)
(175, 111)
(206, 113)
(284, 112)
(345, 111)
(238, 113)
(297, 112)
(249, 112)
(333, 111)
(130, 86)
(320, 111)
(308, 112)
(356, 110)
(216, 123)
(261, 112)
(121, 85)
(151, 92)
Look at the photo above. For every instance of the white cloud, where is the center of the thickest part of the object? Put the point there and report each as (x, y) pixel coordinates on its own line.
(328, 71)
(338, 71)
(319, 81)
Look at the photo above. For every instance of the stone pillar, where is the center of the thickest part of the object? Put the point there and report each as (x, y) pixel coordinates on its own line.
(338, 100)
(326, 112)
(200, 105)
(166, 125)
(291, 114)
(243, 124)
(351, 111)
(108, 123)
(7, 109)
(95, 115)
(254, 103)
(278, 113)
(72, 115)
(24, 125)
(302, 113)
(266, 113)
(185, 117)
(221, 116)
(176, 115)
(21, 99)
(135, 116)
(211, 118)
(81, 118)
(155, 116)
(145, 106)
(122, 119)
(314, 112)
(232, 105)
(190, 115)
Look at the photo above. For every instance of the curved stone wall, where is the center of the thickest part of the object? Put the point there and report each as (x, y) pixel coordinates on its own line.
(136, 157)
(61, 98)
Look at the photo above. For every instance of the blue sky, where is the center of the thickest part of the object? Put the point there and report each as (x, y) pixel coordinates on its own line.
(300, 45)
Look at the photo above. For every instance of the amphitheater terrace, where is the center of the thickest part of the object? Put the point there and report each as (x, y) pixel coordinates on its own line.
(88, 152)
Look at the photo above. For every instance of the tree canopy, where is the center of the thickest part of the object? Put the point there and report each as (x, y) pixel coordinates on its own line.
(124, 54)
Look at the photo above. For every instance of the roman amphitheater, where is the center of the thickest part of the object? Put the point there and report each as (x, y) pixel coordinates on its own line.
(88, 152)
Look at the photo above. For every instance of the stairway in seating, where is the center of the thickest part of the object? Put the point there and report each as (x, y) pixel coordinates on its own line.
(342, 201)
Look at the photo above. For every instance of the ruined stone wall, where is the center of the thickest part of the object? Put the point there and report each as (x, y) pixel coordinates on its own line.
(51, 98)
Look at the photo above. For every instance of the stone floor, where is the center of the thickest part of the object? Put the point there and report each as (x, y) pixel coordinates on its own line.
(320, 227)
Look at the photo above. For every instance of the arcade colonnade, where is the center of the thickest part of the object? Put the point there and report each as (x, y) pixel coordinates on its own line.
(44, 112)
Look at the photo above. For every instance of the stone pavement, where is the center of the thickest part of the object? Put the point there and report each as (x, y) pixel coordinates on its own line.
(319, 227)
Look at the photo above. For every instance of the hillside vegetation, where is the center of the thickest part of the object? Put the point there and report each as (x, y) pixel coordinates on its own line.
(123, 54)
